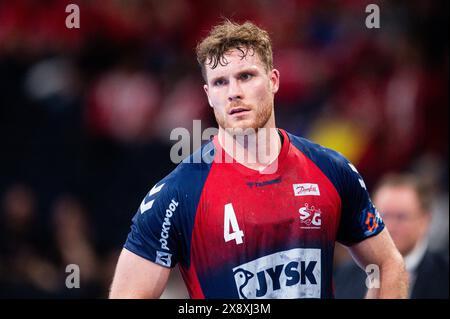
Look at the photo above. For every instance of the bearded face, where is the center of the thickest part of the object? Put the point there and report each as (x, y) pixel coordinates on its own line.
(241, 92)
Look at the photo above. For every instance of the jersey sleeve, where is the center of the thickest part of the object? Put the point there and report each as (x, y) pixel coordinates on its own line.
(359, 217)
(154, 231)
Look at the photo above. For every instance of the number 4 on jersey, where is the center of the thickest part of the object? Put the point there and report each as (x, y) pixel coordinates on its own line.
(230, 218)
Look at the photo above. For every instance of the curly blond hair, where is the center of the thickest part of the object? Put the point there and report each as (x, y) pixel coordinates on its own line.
(230, 35)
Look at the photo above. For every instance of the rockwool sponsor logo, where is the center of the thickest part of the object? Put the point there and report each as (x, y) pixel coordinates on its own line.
(306, 189)
(167, 224)
(294, 273)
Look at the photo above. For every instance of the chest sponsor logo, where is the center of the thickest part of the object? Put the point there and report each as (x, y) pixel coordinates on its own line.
(306, 189)
(310, 217)
(294, 273)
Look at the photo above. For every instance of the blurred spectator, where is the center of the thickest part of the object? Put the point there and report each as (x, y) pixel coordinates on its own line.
(432, 173)
(123, 105)
(26, 270)
(184, 103)
(405, 207)
(74, 245)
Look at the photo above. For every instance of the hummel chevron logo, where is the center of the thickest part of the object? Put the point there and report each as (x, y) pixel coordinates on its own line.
(146, 206)
(361, 181)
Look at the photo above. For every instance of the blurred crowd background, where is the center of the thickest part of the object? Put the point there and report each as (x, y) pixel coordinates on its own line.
(86, 114)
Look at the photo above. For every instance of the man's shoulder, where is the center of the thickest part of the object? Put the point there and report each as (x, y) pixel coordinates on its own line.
(319, 154)
(336, 167)
(191, 173)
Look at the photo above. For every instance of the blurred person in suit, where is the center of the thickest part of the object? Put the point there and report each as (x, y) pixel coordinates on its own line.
(405, 205)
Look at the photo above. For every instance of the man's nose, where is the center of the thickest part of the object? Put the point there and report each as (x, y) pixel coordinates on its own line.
(234, 91)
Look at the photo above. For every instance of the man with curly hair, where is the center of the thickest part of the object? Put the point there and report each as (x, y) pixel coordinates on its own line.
(259, 214)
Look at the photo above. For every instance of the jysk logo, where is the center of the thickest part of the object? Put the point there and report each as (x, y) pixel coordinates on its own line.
(292, 273)
(310, 217)
(306, 189)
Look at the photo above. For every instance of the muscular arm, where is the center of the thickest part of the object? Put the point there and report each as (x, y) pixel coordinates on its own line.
(136, 277)
(381, 251)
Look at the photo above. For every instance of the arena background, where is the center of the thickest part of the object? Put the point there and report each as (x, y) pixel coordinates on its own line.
(86, 114)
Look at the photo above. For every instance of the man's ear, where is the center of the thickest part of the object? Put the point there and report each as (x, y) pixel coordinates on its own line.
(205, 87)
(275, 80)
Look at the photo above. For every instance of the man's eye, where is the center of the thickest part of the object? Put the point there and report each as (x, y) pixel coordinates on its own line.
(219, 82)
(246, 76)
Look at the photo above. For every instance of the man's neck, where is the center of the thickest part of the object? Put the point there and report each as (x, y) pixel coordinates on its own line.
(255, 150)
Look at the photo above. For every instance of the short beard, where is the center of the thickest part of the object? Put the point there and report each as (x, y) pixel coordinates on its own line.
(262, 117)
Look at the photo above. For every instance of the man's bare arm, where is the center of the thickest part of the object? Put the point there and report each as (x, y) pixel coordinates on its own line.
(137, 277)
(381, 251)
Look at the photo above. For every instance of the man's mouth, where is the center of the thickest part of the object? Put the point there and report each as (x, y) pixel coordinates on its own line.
(236, 110)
